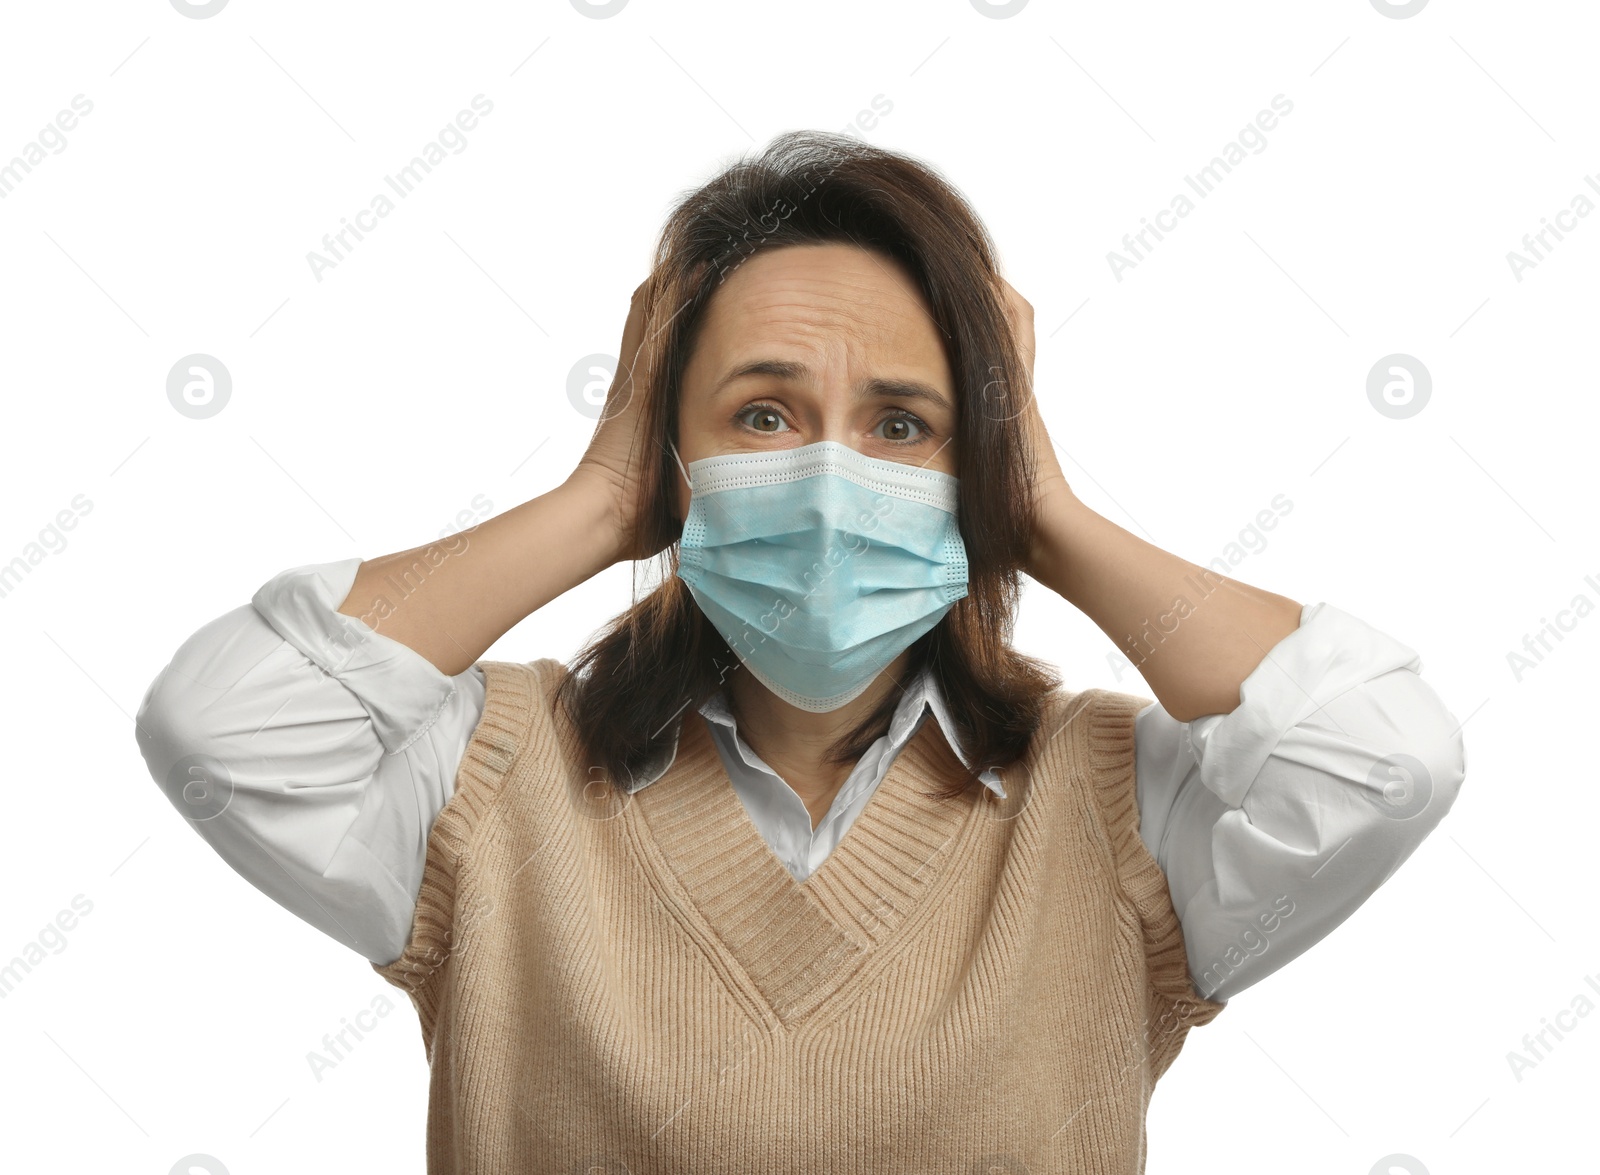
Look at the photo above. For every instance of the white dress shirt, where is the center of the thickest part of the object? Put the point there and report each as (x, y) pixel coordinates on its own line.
(1272, 823)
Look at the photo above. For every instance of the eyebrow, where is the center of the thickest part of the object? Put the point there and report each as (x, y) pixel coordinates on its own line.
(877, 388)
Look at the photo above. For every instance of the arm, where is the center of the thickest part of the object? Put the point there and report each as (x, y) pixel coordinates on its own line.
(1289, 768)
(451, 600)
(311, 754)
(1275, 822)
(1193, 634)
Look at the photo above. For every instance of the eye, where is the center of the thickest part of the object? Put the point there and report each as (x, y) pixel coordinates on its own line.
(904, 428)
(768, 419)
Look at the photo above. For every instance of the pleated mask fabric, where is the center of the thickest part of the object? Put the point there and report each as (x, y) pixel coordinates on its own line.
(820, 565)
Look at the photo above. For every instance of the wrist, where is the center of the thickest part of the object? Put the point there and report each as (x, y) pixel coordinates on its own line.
(592, 501)
(1058, 516)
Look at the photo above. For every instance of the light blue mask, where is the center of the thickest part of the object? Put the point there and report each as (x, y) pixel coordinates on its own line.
(819, 565)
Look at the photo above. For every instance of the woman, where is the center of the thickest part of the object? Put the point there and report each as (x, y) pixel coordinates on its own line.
(720, 897)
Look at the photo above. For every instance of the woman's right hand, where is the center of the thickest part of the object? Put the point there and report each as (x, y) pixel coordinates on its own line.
(611, 464)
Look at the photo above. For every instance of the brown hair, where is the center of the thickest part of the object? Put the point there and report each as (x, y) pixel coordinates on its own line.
(653, 664)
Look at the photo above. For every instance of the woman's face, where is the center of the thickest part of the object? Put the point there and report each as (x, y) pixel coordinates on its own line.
(809, 343)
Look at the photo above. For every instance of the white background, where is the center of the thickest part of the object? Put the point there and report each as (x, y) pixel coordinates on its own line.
(430, 366)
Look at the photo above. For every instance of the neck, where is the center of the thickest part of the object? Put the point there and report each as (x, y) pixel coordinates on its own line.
(794, 742)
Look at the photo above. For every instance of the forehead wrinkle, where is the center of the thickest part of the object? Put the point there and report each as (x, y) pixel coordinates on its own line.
(855, 279)
(863, 316)
(844, 316)
(842, 287)
(873, 257)
(852, 311)
(848, 351)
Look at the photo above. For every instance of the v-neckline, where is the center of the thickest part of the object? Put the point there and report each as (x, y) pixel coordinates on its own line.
(801, 944)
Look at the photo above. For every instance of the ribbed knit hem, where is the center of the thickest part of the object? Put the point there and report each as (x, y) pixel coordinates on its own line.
(510, 693)
(1176, 1006)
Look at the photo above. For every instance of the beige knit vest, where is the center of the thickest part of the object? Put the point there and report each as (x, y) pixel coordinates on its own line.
(635, 984)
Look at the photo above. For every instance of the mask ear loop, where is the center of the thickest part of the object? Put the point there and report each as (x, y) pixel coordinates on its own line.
(681, 469)
(738, 661)
(687, 480)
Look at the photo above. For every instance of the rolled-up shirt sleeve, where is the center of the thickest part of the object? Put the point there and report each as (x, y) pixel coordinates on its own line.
(1274, 822)
(312, 753)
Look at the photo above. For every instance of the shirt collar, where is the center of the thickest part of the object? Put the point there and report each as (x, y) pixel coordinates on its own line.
(923, 693)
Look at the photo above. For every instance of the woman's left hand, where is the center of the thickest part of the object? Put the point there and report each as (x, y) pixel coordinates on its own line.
(1050, 488)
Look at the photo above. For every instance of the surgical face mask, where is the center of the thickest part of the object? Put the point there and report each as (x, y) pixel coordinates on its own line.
(818, 565)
